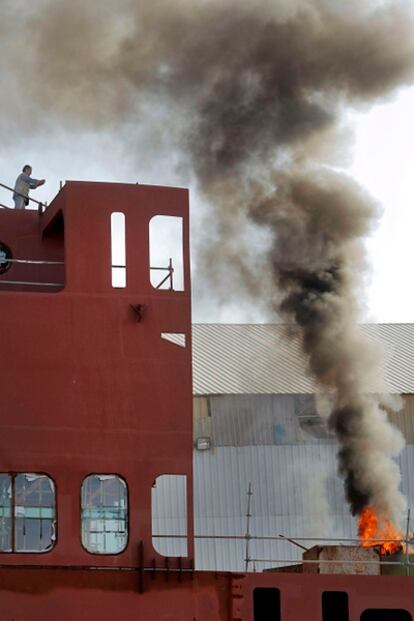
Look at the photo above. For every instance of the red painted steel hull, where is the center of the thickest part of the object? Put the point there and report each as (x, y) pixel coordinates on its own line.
(88, 386)
(69, 595)
(85, 387)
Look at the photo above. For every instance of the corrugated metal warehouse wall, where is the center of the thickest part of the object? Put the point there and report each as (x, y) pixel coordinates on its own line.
(280, 445)
(277, 445)
(256, 408)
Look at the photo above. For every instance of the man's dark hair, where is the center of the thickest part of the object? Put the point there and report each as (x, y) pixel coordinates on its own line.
(25, 167)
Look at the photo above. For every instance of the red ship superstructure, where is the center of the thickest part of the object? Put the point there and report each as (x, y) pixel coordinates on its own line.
(96, 412)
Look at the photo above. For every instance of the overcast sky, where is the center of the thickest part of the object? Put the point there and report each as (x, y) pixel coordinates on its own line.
(381, 158)
(383, 161)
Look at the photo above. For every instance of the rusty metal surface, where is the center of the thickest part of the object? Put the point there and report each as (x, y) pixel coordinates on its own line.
(344, 560)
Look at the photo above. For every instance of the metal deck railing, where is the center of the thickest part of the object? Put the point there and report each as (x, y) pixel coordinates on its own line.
(169, 269)
(7, 281)
(41, 206)
(402, 557)
(169, 277)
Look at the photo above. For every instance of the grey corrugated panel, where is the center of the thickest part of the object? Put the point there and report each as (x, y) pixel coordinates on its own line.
(404, 418)
(244, 359)
(406, 462)
(244, 420)
(280, 478)
(201, 418)
(398, 341)
(261, 359)
(239, 420)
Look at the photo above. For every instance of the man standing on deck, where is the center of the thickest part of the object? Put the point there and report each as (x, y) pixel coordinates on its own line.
(24, 183)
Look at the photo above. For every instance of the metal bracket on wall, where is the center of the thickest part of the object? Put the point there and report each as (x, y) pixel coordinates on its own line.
(138, 310)
(167, 566)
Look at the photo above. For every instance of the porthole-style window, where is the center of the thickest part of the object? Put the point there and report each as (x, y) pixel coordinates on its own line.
(104, 514)
(5, 258)
(27, 513)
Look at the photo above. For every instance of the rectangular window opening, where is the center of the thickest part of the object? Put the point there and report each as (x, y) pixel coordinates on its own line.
(166, 253)
(27, 513)
(169, 515)
(104, 514)
(118, 250)
(335, 606)
(266, 604)
(178, 338)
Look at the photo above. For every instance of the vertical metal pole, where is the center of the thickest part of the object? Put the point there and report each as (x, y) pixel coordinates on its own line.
(12, 514)
(141, 567)
(407, 551)
(248, 516)
(40, 488)
(171, 271)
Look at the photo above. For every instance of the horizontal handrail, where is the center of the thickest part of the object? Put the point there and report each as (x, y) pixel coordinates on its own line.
(170, 272)
(164, 269)
(284, 539)
(31, 283)
(39, 204)
(404, 560)
(33, 262)
(327, 561)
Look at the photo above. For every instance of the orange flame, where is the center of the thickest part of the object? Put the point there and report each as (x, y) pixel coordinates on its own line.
(372, 526)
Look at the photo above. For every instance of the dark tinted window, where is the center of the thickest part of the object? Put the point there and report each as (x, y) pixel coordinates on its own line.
(335, 606)
(266, 604)
(386, 614)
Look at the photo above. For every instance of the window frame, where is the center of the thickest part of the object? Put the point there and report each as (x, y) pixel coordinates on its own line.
(4, 267)
(13, 474)
(327, 597)
(184, 539)
(176, 263)
(118, 237)
(258, 603)
(127, 520)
